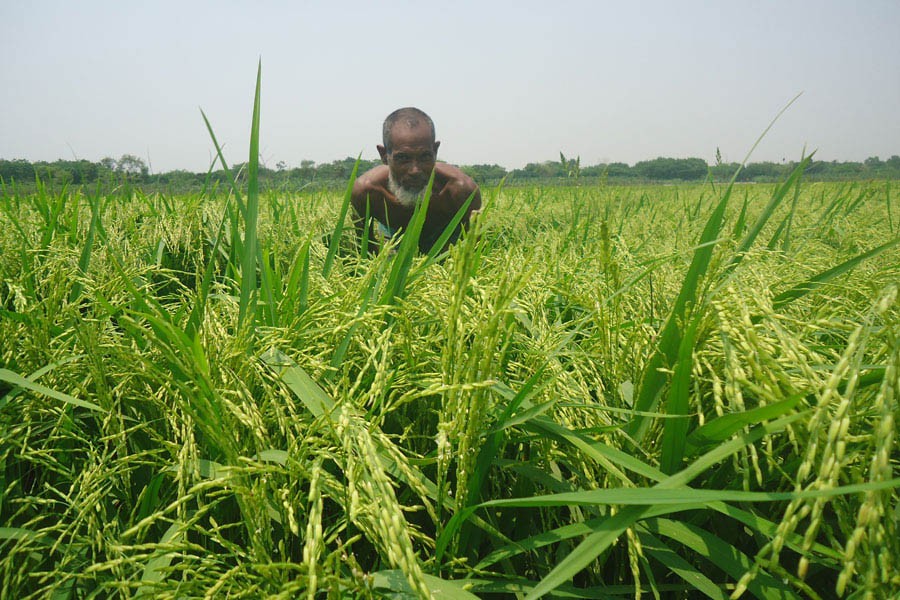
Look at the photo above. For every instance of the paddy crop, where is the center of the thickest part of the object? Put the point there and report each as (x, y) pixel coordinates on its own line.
(672, 391)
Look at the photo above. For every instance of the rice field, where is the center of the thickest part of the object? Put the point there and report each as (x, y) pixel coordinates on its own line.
(600, 392)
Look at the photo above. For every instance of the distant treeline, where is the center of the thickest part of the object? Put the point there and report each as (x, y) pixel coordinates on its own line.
(132, 169)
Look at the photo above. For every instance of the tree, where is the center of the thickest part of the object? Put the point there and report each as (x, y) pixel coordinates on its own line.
(546, 170)
(671, 169)
(873, 162)
(132, 167)
(19, 170)
(484, 173)
(305, 172)
(620, 169)
(762, 171)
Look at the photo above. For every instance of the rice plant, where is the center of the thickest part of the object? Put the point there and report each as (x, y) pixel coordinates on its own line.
(598, 392)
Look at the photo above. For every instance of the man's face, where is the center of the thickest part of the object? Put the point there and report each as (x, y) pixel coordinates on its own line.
(412, 155)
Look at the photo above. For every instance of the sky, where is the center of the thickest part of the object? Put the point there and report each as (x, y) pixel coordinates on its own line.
(506, 82)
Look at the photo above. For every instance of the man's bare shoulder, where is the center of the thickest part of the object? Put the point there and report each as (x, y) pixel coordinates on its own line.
(453, 173)
(454, 188)
(372, 182)
(374, 178)
(455, 179)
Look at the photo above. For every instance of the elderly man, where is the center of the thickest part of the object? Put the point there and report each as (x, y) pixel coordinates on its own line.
(392, 190)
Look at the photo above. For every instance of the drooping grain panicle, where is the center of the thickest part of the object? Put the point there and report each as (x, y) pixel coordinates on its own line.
(600, 390)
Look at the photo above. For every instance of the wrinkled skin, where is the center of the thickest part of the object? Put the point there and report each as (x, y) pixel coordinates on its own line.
(411, 160)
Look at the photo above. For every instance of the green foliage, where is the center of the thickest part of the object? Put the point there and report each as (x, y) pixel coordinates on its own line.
(598, 391)
(176, 434)
(334, 174)
(672, 169)
(485, 174)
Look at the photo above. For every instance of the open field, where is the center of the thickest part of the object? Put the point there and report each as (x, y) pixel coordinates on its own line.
(688, 391)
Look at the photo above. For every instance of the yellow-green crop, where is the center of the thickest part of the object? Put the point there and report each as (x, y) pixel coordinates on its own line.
(599, 392)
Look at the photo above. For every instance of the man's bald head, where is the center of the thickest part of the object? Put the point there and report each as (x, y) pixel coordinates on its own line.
(409, 117)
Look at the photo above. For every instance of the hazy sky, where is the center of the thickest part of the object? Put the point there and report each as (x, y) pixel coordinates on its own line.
(507, 82)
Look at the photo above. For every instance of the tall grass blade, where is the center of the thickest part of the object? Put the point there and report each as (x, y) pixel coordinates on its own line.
(368, 296)
(489, 449)
(442, 240)
(637, 503)
(780, 231)
(832, 209)
(815, 282)
(597, 543)
(659, 496)
(230, 175)
(366, 232)
(777, 197)
(492, 446)
(395, 581)
(297, 289)
(720, 429)
(722, 554)
(17, 380)
(339, 225)
(409, 246)
(607, 456)
(654, 380)
(768, 528)
(659, 550)
(314, 398)
(15, 391)
(250, 257)
(84, 260)
(199, 308)
(864, 195)
(154, 570)
(678, 403)
(741, 223)
(23, 534)
(271, 286)
(887, 202)
(572, 531)
(786, 239)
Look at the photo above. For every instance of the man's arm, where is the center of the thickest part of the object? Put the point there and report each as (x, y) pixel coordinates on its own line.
(455, 191)
(452, 189)
(364, 197)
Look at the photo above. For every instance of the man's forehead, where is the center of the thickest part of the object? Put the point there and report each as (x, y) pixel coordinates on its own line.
(410, 126)
(411, 136)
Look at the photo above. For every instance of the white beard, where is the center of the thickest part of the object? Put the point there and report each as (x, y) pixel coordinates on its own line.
(405, 196)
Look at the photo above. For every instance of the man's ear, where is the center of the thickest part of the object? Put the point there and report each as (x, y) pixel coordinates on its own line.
(382, 151)
(436, 145)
